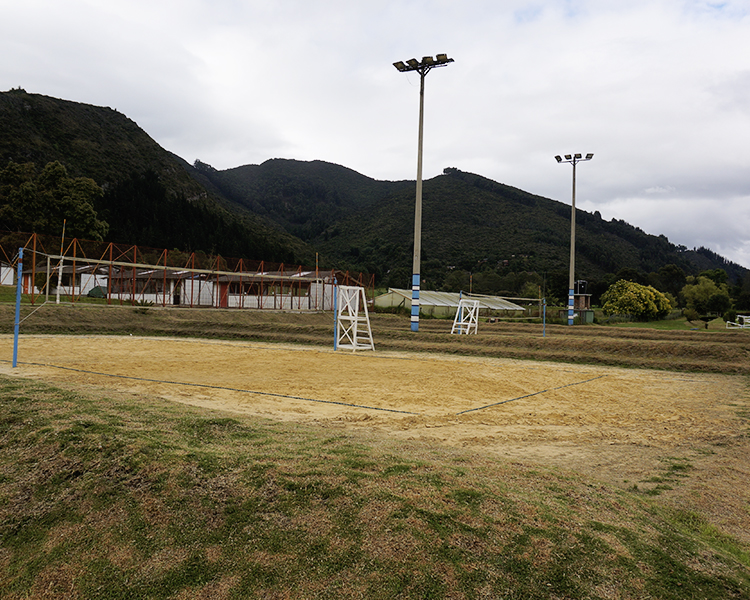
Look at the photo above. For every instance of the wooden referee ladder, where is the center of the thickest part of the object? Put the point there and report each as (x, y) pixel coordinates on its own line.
(467, 317)
(352, 319)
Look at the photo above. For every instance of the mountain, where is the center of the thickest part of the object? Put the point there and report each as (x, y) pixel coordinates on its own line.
(150, 197)
(471, 225)
(470, 221)
(305, 198)
(476, 232)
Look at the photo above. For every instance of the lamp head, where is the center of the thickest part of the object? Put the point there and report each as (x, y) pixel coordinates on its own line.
(423, 67)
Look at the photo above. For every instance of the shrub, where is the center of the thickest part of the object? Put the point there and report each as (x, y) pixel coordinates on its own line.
(642, 302)
(691, 314)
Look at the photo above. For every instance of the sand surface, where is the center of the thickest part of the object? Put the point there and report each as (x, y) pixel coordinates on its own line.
(620, 426)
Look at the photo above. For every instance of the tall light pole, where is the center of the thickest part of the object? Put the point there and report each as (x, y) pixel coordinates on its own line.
(424, 67)
(573, 159)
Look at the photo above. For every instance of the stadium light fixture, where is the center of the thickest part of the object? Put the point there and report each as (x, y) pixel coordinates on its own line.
(423, 67)
(573, 160)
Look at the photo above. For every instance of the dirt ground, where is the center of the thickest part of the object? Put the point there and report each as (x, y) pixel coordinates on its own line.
(620, 426)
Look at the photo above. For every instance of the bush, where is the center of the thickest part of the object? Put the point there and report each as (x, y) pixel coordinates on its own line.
(691, 314)
(642, 302)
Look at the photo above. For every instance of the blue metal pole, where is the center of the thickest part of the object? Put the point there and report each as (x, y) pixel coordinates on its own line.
(460, 314)
(335, 315)
(415, 302)
(544, 317)
(18, 307)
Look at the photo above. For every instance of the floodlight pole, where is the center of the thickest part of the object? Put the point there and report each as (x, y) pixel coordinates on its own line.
(417, 259)
(573, 159)
(423, 67)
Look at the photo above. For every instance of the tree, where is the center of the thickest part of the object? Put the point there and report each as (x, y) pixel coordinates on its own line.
(672, 279)
(704, 296)
(743, 298)
(633, 275)
(719, 303)
(718, 276)
(530, 290)
(642, 302)
(456, 281)
(41, 204)
(487, 282)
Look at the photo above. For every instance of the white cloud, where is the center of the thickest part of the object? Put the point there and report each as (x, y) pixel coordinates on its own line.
(659, 189)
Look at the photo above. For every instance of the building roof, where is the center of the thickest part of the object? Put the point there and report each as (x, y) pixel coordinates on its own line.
(159, 272)
(450, 299)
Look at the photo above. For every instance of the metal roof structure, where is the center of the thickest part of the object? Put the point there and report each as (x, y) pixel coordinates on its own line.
(100, 267)
(450, 299)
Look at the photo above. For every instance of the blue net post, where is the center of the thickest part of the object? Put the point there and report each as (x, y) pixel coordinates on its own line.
(19, 281)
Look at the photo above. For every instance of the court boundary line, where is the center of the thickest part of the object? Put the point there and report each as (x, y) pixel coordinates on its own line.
(463, 412)
(217, 387)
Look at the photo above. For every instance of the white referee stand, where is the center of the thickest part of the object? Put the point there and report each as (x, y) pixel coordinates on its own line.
(742, 322)
(467, 317)
(352, 319)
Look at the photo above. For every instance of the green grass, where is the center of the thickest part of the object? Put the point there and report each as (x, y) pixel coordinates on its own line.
(8, 296)
(126, 497)
(674, 469)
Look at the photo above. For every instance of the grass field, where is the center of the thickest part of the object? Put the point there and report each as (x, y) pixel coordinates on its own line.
(584, 480)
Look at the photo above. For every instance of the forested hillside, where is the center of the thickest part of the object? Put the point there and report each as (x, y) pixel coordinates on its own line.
(474, 224)
(303, 197)
(149, 198)
(476, 233)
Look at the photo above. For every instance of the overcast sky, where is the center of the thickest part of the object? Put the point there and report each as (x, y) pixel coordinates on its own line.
(658, 90)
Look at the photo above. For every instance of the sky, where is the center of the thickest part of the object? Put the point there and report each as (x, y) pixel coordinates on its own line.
(657, 90)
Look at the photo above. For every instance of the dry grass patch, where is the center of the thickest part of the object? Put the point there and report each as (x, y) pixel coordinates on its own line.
(130, 496)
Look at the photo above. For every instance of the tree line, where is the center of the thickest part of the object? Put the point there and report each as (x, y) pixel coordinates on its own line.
(137, 210)
(642, 296)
